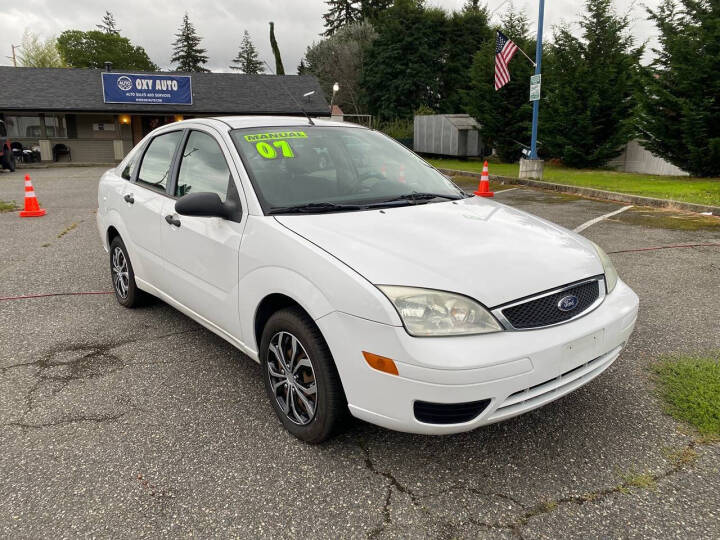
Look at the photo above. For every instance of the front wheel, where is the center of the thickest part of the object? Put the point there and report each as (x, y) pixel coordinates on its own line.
(300, 376)
(123, 278)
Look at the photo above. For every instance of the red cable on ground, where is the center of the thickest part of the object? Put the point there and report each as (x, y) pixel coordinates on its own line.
(82, 293)
(29, 296)
(665, 247)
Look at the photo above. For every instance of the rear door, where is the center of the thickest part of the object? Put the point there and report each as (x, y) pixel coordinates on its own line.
(143, 203)
(202, 252)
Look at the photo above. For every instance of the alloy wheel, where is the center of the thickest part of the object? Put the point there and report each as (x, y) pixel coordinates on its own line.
(292, 378)
(120, 274)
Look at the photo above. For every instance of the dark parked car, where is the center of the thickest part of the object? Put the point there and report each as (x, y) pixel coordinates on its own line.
(7, 159)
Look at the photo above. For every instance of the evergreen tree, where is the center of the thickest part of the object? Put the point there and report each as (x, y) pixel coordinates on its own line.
(505, 116)
(589, 89)
(188, 54)
(402, 66)
(468, 30)
(247, 58)
(370, 10)
(279, 69)
(340, 13)
(108, 24)
(302, 69)
(680, 107)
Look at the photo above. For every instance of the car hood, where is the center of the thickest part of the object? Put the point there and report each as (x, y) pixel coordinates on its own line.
(476, 247)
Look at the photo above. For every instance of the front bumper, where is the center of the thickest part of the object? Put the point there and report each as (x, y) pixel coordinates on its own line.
(516, 371)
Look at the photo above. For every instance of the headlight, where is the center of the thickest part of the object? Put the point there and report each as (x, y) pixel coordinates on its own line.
(611, 275)
(426, 312)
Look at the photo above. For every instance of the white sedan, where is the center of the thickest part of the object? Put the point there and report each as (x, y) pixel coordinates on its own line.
(358, 276)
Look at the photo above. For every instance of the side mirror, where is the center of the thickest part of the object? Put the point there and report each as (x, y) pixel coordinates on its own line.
(203, 204)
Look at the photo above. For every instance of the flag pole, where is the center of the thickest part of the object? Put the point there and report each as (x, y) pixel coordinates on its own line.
(525, 55)
(538, 63)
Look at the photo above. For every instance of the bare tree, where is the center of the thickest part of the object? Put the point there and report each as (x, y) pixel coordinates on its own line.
(340, 58)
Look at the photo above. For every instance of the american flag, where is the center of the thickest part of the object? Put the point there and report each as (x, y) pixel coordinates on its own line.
(505, 49)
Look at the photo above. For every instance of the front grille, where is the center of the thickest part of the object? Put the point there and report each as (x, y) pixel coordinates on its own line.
(544, 311)
(449, 413)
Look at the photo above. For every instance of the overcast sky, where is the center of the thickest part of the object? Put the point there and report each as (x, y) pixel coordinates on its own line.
(152, 23)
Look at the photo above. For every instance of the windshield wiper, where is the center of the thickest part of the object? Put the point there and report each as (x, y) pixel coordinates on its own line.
(314, 208)
(418, 196)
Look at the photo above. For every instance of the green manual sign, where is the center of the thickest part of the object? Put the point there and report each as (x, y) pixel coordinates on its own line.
(535, 87)
(276, 136)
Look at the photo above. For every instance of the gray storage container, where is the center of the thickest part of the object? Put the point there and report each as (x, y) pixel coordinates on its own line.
(447, 135)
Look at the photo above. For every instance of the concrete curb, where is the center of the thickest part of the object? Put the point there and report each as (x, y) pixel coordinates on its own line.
(595, 193)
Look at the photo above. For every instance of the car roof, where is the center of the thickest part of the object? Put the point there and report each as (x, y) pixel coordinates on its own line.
(238, 122)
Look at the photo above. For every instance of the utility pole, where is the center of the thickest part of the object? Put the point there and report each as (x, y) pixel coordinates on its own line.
(13, 54)
(538, 63)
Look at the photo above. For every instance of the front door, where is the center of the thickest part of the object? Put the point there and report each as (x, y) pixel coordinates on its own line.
(144, 201)
(201, 253)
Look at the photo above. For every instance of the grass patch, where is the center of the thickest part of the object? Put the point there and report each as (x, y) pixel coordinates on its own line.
(678, 188)
(67, 230)
(687, 455)
(8, 206)
(637, 480)
(690, 388)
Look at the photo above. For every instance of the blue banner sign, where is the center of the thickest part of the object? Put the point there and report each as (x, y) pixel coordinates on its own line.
(147, 89)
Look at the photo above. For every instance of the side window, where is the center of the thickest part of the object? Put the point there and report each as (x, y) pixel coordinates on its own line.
(203, 167)
(129, 165)
(156, 163)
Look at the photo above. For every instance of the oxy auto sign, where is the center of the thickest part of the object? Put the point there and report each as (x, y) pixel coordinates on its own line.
(147, 89)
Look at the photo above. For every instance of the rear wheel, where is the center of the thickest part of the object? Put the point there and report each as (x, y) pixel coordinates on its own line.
(123, 278)
(300, 376)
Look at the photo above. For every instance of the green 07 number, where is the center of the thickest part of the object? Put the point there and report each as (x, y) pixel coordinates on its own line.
(269, 152)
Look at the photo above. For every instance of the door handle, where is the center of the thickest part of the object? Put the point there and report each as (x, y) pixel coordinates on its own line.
(129, 198)
(172, 221)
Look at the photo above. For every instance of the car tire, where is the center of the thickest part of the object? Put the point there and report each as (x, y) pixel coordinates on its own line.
(123, 277)
(311, 366)
(8, 160)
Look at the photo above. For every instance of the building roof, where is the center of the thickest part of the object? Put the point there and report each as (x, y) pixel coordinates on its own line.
(80, 90)
(462, 121)
(458, 121)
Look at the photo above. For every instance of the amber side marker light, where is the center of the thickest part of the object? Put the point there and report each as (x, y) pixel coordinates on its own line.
(380, 363)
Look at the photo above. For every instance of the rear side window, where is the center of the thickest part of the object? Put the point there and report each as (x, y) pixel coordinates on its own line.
(203, 167)
(156, 163)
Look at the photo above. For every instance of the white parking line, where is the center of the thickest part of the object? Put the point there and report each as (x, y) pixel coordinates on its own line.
(598, 219)
(505, 190)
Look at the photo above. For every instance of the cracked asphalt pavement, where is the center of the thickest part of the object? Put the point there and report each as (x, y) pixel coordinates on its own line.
(130, 423)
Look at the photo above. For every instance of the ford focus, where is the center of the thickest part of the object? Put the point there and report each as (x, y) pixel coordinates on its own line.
(360, 278)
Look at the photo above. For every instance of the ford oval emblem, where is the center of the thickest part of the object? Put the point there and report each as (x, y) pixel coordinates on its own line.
(568, 303)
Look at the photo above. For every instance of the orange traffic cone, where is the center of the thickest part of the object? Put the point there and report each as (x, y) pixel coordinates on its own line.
(401, 176)
(483, 189)
(32, 208)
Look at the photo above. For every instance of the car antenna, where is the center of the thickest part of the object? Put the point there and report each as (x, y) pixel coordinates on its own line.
(307, 94)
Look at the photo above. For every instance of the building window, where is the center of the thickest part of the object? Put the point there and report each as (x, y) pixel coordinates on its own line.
(29, 127)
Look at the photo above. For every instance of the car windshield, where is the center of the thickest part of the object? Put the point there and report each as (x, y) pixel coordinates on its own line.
(319, 169)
